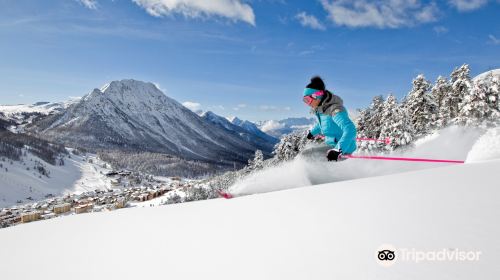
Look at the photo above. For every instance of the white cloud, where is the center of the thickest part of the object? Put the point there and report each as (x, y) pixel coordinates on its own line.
(193, 106)
(231, 9)
(91, 4)
(268, 108)
(309, 21)
(494, 40)
(440, 30)
(271, 125)
(239, 106)
(467, 5)
(380, 13)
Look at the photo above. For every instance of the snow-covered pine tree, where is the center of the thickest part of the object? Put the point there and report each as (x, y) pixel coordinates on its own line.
(375, 117)
(441, 92)
(461, 85)
(421, 106)
(362, 121)
(493, 92)
(396, 124)
(257, 162)
(494, 99)
(290, 146)
(474, 108)
(362, 127)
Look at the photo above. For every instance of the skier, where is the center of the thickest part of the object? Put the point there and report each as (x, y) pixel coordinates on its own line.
(333, 121)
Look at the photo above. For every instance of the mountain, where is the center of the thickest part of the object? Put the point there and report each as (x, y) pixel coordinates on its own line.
(23, 114)
(131, 115)
(282, 127)
(244, 129)
(252, 128)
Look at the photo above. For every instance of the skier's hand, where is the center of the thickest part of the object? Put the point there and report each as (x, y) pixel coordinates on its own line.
(310, 136)
(333, 154)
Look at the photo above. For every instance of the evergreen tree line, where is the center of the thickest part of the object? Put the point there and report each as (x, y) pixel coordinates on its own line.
(11, 146)
(158, 164)
(455, 100)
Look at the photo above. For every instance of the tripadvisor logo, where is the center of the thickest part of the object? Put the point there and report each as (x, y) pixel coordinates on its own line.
(386, 255)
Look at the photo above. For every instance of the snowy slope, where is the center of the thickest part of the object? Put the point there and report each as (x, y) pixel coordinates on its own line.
(328, 231)
(495, 73)
(453, 143)
(20, 113)
(77, 175)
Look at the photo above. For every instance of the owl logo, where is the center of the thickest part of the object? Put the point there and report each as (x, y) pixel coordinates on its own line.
(386, 255)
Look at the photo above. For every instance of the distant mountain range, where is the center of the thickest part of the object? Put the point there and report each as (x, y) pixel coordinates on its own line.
(134, 116)
(244, 129)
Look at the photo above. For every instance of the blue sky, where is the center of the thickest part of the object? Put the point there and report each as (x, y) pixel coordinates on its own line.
(251, 59)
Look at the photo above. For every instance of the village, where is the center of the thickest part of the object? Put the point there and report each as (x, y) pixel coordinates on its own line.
(123, 194)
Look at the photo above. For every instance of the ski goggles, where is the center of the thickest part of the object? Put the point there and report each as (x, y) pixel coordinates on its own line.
(308, 99)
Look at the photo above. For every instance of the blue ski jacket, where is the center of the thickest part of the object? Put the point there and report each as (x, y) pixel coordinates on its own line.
(334, 123)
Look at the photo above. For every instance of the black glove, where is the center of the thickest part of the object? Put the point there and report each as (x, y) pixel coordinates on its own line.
(333, 155)
(310, 136)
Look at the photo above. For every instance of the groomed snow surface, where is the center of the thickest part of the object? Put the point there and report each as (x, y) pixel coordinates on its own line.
(328, 231)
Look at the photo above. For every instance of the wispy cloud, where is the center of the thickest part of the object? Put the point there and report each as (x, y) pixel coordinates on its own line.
(239, 107)
(467, 5)
(440, 30)
(91, 4)
(193, 106)
(309, 21)
(270, 108)
(379, 13)
(232, 9)
(494, 40)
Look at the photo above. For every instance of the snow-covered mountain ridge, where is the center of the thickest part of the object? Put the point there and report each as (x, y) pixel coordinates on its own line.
(134, 115)
(244, 129)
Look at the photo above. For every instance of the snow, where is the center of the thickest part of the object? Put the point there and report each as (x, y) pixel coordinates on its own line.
(487, 147)
(304, 219)
(45, 108)
(76, 176)
(485, 76)
(328, 231)
(453, 143)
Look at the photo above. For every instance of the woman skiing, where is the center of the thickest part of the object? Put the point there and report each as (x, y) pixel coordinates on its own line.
(333, 121)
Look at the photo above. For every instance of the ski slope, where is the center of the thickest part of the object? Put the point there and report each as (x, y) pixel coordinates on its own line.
(79, 174)
(453, 143)
(329, 231)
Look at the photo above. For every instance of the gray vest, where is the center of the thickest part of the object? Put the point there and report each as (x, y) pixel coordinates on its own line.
(330, 105)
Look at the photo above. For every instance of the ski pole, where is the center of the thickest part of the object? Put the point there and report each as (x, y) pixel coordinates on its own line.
(404, 159)
(386, 140)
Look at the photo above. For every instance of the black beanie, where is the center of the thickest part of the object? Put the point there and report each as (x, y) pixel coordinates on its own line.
(316, 83)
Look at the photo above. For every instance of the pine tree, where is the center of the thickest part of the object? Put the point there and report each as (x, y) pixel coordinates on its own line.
(441, 92)
(396, 124)
(362, 121)
(257, 162)
(474, 108)
(493, 92)
(375, 117)
(461, 85)
(421, 106)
